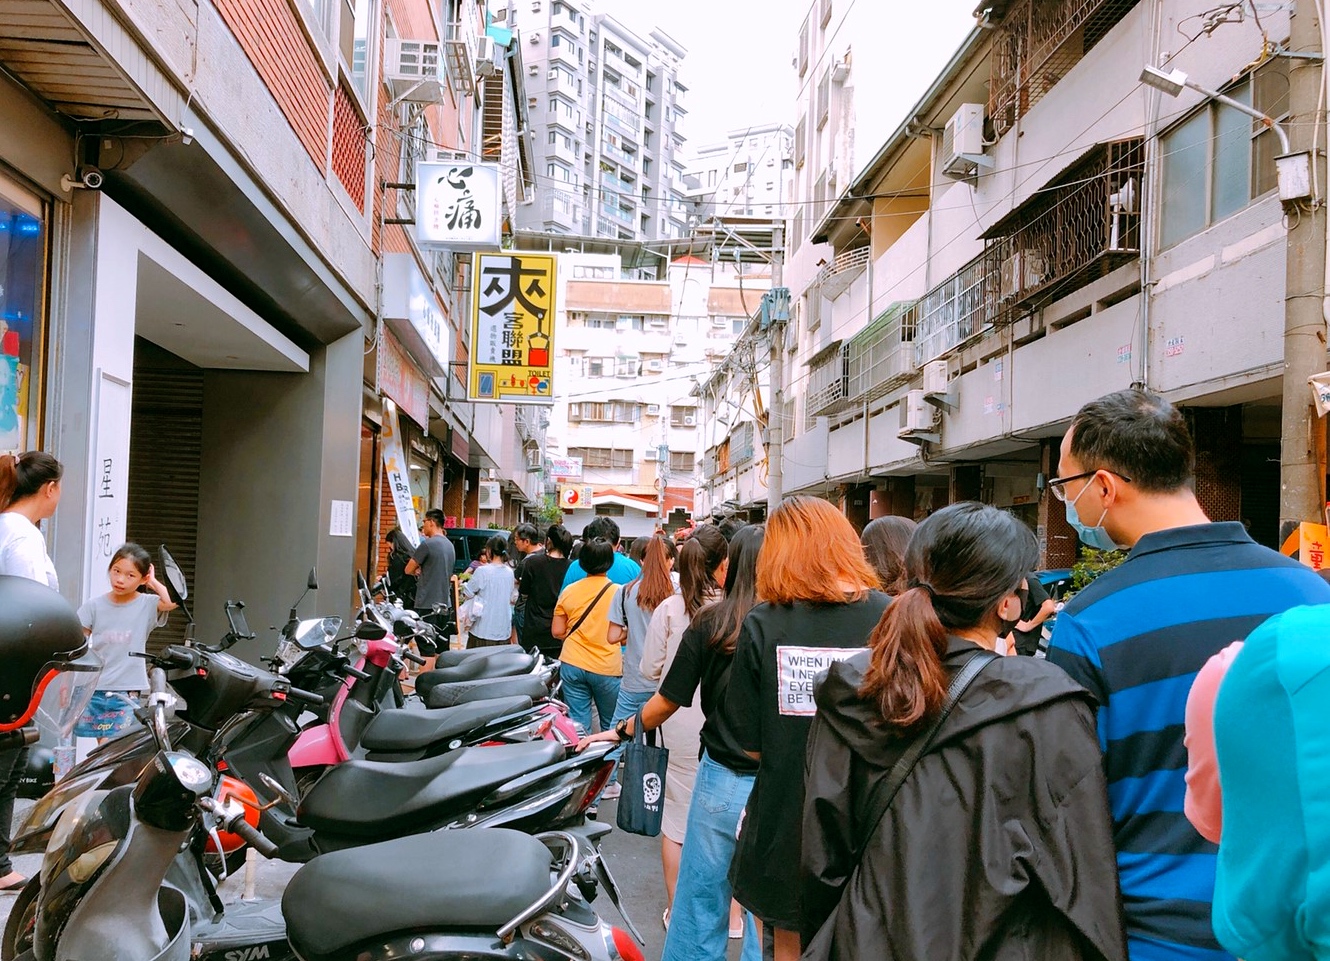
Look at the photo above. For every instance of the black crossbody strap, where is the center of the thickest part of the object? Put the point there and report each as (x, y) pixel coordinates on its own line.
(587, 613)
(884, 791)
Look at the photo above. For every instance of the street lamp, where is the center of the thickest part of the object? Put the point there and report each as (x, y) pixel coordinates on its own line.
(1293, 170)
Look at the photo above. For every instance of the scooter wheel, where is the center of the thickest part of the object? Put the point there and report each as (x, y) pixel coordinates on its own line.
(21, 927)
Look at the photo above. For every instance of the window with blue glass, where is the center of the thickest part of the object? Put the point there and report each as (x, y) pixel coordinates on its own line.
(22, 299)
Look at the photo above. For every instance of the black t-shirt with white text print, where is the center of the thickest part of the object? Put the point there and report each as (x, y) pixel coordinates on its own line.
(782, 649)
(698, 664)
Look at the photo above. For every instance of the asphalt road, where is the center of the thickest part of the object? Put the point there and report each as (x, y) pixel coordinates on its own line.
(634, 861)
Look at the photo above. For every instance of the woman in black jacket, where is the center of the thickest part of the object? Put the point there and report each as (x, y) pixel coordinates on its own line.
(998, 844)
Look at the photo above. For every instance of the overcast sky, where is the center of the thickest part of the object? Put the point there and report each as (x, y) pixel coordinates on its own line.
(738, 66)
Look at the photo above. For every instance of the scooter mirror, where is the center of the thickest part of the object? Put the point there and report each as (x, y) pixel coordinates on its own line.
(313, 583)
(369, 631)
(361, 582)
(172, 576)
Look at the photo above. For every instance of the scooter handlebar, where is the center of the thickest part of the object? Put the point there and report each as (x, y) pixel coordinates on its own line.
(411, 656)
(253, 837)
(309, 697)
(359, 675)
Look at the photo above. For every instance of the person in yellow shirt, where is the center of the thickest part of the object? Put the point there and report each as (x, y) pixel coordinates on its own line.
(592, 666)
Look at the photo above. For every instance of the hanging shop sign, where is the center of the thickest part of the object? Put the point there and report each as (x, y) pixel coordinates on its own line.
(564, 467)
(402, 381)
(574, 497)
(458, 205)
(512, 329)
(397, 474)
(411, 309)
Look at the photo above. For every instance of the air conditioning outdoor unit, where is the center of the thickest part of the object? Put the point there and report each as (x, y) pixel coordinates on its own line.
(963, 143)
(655, 366)
(451, 157)
(935, 377)
(487, 61)
(490, 498)
(653, 453)
(415, 70)
(653, 410)
(917, 417)
(719, 322)
(690, 420)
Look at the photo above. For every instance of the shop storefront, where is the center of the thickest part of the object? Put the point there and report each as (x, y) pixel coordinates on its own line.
(24, 252)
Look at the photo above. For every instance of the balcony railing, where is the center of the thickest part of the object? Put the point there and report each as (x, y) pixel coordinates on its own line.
(835, 278)
(828, 380)
(1036, 44)
(954, 311)
(615, 212)
(881, 356)
(1078, 227)
(608, 149)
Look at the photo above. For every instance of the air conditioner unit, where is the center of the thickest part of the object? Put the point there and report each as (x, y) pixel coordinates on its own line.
(490, 498)
(917, 417)
(963, 143)
(653, 410)
(935, 377)
(720, 322)
(415, 70)
(653, 453)
(659, 321)
(534, 38)
(690, 420)
(487, 57)
(451, 157)
(534, 70)
(680, 340)
(655, 366)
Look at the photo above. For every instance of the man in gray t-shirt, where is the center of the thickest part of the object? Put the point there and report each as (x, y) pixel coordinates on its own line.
(433, 564)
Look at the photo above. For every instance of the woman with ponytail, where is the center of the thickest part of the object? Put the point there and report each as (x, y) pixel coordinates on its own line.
(998, 843)
(29, 493)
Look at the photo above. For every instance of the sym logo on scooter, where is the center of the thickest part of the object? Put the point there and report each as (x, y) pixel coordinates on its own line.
(256, 953)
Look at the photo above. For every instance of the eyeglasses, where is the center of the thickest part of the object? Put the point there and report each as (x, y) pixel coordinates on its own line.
(1057, 486)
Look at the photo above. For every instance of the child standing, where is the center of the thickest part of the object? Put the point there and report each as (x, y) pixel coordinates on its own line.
(118, 624)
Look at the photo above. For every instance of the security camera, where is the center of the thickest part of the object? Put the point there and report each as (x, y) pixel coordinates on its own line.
(89, 177)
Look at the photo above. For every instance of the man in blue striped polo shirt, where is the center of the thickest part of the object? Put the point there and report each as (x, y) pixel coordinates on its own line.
(1137, 636)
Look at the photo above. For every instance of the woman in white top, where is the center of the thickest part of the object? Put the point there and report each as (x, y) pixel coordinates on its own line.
(492, 582)
(701, 565)
(29, 493)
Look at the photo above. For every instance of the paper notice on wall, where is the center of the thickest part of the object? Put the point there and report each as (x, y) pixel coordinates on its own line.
(342, 523)
(1320, 384)
(797, 671)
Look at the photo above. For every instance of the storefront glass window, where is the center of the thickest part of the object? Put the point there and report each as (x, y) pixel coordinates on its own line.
(22, 307)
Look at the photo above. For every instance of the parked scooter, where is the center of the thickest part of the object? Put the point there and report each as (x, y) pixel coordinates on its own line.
(113, 884)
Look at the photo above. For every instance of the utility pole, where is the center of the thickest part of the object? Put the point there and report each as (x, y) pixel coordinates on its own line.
(776, 410)
(1303, 433)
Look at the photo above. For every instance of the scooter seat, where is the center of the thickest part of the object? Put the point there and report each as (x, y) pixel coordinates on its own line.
(339, 900)
(514, 661)
(378, 800)
(403, 730)
(453, 658)
(463, 692)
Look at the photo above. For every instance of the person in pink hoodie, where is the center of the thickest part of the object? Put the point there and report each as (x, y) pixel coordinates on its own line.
(1204, 803)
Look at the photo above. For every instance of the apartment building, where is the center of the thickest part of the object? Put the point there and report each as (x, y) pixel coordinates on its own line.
(632, 354)
(1038, 230)
(605, 107)
(749, 174)
(204, 298)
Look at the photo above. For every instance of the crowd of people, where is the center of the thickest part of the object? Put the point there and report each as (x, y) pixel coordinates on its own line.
(857, 771)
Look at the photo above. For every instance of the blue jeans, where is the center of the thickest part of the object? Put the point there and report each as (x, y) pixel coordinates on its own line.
(700, 918)
(630, 702)
(582, 688)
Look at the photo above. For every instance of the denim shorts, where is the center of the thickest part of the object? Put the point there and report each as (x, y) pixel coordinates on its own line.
(108, 714)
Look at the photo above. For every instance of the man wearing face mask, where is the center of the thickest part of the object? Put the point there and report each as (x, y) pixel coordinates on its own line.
(1137, 636)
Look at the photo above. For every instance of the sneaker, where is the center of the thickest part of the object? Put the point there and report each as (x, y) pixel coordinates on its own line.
(611, 792)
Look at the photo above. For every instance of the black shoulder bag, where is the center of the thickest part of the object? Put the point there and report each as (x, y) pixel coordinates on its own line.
(884, 791)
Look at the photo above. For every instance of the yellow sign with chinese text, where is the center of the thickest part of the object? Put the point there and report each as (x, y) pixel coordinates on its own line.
(1312, 540)
(512, 328)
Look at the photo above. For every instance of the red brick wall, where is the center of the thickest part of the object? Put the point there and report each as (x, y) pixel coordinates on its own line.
(348, 147)
(271, 36)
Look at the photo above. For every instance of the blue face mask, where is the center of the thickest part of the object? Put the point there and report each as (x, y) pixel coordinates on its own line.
(1096, 536)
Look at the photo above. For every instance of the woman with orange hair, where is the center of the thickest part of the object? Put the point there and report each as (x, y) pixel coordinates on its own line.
(819, 605)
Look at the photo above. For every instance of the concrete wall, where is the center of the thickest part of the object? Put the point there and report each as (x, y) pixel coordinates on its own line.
(277, 450)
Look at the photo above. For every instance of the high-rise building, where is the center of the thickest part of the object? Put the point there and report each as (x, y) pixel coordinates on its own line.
(749, 174)
(604, 105)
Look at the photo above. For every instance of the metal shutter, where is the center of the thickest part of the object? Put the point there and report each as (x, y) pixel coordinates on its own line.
(165, 452)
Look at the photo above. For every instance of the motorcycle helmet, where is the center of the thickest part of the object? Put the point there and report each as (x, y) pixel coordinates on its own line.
(40, 635)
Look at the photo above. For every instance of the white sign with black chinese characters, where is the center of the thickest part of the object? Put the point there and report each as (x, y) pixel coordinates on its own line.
(458, 205)
(110, 479)
(797, 669)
